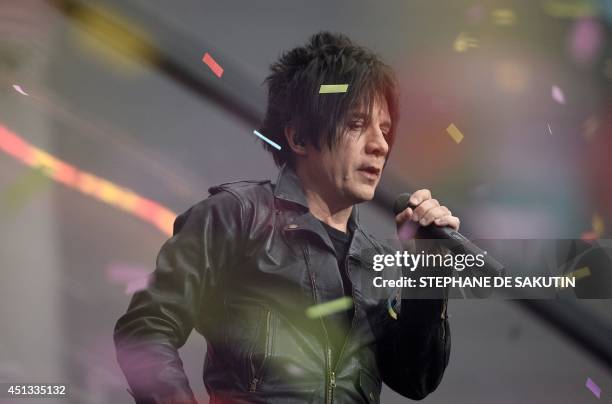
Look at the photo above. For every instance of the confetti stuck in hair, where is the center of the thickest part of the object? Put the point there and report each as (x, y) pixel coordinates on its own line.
(333, 88)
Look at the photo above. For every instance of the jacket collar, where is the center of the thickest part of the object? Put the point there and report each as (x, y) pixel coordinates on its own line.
(289, 188)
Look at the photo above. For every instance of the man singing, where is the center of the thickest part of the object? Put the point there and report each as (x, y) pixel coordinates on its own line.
(245, 264)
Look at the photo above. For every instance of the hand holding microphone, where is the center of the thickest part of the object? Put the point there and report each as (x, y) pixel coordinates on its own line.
(422, 208)
(438, 223)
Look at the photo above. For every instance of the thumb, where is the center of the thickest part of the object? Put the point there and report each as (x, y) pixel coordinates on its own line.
(403, 216)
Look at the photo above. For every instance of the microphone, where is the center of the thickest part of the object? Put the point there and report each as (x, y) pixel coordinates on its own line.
(455, 241)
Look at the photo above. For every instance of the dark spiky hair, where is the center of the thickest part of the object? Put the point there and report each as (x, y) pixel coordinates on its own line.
(294, 99)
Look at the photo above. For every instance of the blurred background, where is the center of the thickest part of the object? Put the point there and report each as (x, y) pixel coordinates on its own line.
(111, 124)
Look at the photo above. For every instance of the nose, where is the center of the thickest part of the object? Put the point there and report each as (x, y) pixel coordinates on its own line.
(377, 144)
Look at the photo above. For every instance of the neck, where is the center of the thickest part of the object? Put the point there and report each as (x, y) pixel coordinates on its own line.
(324, 204)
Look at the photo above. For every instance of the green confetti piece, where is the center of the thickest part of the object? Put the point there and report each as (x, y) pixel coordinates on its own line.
(333, 88)
(331, 307)
(17, 194)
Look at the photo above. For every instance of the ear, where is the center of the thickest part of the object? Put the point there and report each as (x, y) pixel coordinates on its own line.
(297, 145)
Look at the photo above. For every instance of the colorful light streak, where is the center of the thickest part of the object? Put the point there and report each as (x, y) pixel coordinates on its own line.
(89, 184)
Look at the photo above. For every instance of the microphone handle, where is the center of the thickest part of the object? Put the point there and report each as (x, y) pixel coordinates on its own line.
(459, 244)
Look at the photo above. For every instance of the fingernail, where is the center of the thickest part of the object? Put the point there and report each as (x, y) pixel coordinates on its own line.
(414, 200)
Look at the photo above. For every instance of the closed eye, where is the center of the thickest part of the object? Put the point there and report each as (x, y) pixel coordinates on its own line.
(353, 125)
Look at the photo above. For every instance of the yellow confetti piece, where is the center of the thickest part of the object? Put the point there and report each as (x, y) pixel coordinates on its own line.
(565, 9)
(112, 38)
(578, 274)
(333, 88)
(511, 77)
(17, 194)
(503, 16)
(590, 127)
(608, 69)
(464, 42)
(455, 133)
(331, 307)
(598, 225)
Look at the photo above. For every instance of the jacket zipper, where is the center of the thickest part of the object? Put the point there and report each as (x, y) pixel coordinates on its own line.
(332, 378)
(331, 374)
(443, 317)
(257, 376)
(348, 275)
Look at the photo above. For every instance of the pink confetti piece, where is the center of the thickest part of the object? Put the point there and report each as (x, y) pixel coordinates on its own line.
(134, 278)
(407, 230)
(17, 88)
(557, 95)
(123, 273)
(214, 66)
(586, 40)
(590, 384)
(136, 285)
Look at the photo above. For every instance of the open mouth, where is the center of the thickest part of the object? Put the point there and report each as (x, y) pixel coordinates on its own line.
(370, 171)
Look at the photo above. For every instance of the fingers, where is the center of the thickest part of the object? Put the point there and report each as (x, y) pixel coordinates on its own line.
(425, 206)
(404, 215)
(420, 196)
(448, 220)
(427, 211)
(432, 214)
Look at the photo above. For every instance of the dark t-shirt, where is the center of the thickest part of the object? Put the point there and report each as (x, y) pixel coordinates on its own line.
(338, 329)
(341, 243)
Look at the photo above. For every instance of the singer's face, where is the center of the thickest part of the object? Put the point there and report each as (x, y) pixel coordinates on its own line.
(353, 167)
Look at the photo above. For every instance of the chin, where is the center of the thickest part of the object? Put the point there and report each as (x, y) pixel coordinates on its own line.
(364, 194)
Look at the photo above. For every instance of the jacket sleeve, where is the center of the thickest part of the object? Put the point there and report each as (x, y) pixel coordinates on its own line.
(160, 318)
(414, 351)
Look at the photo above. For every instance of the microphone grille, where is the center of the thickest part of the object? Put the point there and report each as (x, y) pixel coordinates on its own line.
(401, 202)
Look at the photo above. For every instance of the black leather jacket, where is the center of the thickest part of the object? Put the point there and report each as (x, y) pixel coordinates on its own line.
(242, 268)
